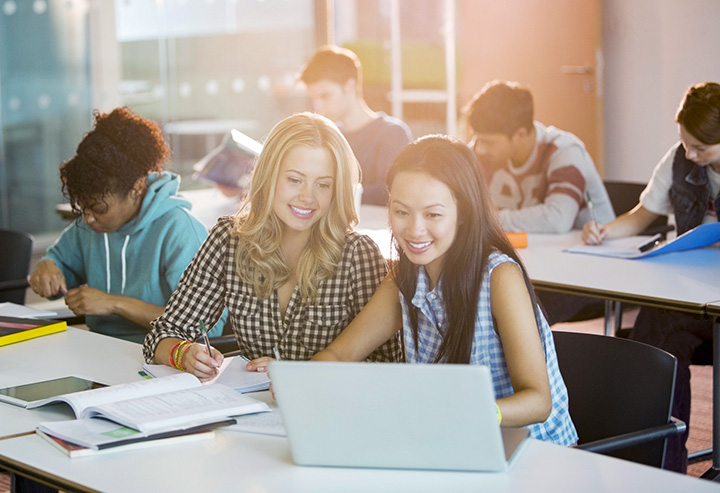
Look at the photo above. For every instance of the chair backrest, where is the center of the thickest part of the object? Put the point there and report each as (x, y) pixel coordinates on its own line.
(617, 386)
(15, 257)
(626, 195)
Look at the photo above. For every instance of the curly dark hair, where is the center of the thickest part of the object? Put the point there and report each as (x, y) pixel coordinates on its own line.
(121, 148)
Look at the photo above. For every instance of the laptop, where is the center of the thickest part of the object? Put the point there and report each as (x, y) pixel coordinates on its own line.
(386, 415)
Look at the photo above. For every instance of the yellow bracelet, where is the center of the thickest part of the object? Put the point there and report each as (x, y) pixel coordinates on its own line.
(498, 413)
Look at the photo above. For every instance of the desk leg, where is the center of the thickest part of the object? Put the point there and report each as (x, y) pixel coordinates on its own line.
(713, 474)
(610, 317)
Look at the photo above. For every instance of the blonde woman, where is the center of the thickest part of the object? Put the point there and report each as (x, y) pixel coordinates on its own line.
(287, 266)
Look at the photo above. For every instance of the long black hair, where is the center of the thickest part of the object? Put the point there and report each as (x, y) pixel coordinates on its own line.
(479, 233)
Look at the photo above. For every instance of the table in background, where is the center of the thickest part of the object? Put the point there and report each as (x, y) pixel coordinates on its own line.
(212, 129)
(682, 281)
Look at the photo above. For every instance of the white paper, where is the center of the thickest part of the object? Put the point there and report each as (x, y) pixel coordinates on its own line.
(626, 247)
(9, 309)
(260, 423)
(232, 373)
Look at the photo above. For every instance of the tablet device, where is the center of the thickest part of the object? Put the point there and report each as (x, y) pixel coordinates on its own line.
(25, 394)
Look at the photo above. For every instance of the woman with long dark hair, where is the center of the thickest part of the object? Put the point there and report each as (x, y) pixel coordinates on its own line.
(464, 296)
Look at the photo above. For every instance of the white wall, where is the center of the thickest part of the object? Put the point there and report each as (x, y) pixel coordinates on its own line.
(654, 50)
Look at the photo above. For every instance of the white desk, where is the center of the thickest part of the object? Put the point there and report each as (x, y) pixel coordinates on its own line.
(73, 352)
(236, 461)
(683, 281)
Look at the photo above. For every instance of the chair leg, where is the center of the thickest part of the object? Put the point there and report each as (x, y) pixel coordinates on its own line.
(700, 456)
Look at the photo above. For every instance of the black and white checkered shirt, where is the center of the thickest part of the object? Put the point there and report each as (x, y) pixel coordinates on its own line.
(211, 283)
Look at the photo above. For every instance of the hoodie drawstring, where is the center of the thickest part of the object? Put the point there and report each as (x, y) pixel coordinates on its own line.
(124, 248)
(107, 263)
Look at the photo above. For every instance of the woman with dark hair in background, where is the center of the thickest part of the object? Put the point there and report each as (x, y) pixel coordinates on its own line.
(686, 183)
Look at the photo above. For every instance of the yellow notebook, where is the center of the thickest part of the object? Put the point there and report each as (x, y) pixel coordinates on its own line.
(14, 330)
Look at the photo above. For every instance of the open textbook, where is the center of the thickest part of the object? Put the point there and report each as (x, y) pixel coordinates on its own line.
(159, 404)
(633, 247)
(231, 163)
(232, 373)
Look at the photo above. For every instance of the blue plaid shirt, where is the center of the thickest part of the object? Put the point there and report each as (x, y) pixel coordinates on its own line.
(487, 349)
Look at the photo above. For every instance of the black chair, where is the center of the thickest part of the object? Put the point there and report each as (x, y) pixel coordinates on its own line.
(621, 394)
(226, 344)
(15, 256)
(626, 195)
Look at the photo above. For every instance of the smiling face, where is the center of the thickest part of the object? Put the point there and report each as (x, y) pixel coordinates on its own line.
(304, 188)
(698, 152)
(112, 213)
(423, 218)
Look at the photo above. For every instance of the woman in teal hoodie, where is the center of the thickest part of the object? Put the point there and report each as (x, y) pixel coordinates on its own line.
(120, 261)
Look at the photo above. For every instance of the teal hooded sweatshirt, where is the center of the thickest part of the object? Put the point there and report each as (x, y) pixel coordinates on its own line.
(144, 259)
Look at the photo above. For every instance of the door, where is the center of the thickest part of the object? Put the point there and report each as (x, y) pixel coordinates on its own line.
(551, 46)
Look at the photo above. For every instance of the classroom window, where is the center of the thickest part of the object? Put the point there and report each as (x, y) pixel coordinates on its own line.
(197, 67)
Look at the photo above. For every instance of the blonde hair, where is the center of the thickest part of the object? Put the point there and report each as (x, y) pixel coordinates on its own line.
(259, 259)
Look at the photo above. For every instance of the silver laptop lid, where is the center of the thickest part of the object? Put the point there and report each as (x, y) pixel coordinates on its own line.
(389, 415)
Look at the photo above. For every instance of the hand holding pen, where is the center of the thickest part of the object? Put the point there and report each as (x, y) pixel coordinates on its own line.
(197, 358)
(206, 340)
(593, 232)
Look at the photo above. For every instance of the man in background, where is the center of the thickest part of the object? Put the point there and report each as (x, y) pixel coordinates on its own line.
(540, 177)
(333, 77)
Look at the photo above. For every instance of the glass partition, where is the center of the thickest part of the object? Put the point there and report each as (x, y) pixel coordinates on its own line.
(198, 67)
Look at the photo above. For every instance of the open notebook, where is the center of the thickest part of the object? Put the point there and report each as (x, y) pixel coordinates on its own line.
(392, 416)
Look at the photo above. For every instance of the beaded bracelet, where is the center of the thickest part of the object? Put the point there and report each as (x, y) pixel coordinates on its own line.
(498, 413)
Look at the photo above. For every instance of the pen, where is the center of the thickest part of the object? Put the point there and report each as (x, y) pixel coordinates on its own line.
(206, 340)
(591, 209)
(276, 352)
(649, 244)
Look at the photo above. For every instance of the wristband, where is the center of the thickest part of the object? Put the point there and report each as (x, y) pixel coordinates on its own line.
(171, 362)
(498, 413)
(181, 354)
